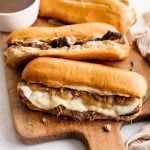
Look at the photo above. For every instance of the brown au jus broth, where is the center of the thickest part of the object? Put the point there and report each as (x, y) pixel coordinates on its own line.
(9, 6)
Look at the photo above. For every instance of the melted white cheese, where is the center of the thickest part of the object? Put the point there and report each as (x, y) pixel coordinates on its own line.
(43, 100)
(96, 45)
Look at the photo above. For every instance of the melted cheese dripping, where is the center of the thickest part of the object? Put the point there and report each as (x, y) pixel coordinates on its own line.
(43, 100)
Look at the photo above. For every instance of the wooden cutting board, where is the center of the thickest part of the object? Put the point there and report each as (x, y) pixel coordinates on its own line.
(36, 127)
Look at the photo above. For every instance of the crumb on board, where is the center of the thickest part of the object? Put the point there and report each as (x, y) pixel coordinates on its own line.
(132, 66)
(44, 120)
(107, 127)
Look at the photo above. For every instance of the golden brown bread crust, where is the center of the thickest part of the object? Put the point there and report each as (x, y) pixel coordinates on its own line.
(55, 72)
(112, 12)
(80, 116)
(18, 55)
(78, 30)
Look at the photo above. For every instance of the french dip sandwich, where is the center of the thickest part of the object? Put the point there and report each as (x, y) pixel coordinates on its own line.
(114, 12)
(80, 90)
(80, 42)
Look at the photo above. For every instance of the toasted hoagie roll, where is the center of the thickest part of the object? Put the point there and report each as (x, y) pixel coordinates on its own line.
(83, 91)
(113, 12)
(80, 42)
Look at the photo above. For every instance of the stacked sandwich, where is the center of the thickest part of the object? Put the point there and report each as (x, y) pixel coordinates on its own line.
(57, 81)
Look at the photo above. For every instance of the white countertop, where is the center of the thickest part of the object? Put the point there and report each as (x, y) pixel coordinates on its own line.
(8, 137)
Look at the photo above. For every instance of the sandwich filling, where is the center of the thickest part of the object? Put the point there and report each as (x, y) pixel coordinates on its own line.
(73, 42)
(47, 98)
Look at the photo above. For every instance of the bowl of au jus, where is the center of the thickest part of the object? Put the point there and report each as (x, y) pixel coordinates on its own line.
(17, 14)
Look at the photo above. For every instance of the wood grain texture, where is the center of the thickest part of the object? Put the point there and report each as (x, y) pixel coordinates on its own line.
(31, 128)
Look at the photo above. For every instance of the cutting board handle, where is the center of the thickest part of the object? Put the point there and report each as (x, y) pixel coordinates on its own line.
(96, 138)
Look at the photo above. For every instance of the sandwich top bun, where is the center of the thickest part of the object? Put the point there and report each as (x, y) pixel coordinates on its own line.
(54, 72)
(113, 12)
(29, 34)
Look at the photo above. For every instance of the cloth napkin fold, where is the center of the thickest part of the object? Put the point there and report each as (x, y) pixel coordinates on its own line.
(143, 44)
(141, 140)
(143, 38)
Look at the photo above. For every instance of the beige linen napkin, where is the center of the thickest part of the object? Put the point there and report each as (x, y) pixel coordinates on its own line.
(143, 38)
(143, 44)
(141, 140)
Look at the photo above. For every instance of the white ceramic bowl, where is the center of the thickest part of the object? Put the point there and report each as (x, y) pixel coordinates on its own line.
(20, 19)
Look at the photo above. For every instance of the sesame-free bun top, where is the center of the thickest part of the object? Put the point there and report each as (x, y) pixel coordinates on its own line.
(113, 12)
(55, 72)
(79, 30)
